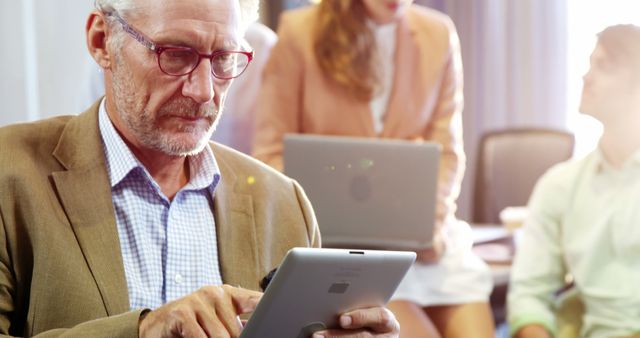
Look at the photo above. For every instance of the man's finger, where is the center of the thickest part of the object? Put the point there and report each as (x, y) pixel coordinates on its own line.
(244, 300)
(206, 317)
(378, 319)
(190, 327)
(341, 334)
(227, 314)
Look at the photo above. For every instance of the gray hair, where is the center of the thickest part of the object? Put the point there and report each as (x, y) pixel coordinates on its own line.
(248, 9)
(249, 12)
(120, 6)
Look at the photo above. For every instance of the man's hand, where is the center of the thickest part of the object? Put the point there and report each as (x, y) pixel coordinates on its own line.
(211, 311)
(533, 331)
(373, 322)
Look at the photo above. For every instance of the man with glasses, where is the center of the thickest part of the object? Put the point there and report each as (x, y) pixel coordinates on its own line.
(125, 221)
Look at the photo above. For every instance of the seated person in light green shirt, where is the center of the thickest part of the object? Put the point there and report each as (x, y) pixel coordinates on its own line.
(585, 215)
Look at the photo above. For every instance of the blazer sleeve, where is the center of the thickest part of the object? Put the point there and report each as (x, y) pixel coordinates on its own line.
(280, 100)
(445, 128)
(120, 326)
(7, 282)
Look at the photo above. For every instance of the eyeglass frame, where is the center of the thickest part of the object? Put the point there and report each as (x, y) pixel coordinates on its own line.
(159, 49)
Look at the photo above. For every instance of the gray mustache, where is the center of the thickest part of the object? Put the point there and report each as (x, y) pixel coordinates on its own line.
(188, 109)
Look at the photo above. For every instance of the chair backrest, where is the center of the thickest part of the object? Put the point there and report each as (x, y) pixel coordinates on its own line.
(509, 164)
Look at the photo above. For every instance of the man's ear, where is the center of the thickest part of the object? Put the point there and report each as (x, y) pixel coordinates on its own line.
(97, 33)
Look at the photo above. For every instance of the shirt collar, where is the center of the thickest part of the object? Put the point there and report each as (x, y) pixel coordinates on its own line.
(382, 29)
(603, 166)
(203, 168)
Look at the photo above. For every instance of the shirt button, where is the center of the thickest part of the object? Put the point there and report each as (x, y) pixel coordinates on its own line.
(178, 278)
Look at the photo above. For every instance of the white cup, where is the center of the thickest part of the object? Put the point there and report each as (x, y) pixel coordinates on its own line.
(513, 217)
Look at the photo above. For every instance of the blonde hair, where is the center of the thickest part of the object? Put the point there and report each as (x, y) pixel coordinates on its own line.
(344, 46)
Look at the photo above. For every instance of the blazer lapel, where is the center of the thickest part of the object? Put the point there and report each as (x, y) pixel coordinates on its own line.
(85, 194)
(235, 226)
(404, 66)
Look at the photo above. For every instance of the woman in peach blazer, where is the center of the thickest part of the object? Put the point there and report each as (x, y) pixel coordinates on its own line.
(382, 69)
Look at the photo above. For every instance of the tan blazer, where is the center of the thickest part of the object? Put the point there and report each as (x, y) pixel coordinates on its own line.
(60, 260)
(425, 103)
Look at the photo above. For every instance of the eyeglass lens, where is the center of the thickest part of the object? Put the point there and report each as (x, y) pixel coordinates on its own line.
(182, 61)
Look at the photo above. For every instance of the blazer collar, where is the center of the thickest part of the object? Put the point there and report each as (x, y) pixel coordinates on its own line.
(240, 263)
(404, 66)
(85, 195)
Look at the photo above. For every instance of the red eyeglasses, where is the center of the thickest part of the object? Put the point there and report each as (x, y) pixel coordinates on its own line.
(179, 61)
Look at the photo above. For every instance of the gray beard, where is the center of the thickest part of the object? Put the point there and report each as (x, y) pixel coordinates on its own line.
(141, 122)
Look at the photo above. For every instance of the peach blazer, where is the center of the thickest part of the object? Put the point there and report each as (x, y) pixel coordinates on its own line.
(425, 104)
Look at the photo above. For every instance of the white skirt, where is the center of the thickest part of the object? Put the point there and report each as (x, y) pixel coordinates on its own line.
(460, 276)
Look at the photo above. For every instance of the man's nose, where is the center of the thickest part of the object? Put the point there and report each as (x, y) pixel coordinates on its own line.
(587, 75)
(199, 84)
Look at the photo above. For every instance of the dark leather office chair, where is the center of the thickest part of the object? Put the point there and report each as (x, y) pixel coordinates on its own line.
(509, 164)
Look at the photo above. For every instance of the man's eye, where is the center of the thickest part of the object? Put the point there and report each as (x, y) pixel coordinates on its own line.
(227, 57)
(178, 54)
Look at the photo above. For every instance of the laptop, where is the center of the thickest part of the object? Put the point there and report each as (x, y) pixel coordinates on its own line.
(367, 193)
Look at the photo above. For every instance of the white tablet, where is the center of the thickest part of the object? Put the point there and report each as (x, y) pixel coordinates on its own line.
(312, 287)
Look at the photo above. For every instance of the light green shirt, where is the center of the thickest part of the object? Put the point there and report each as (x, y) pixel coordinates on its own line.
(584, 220)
